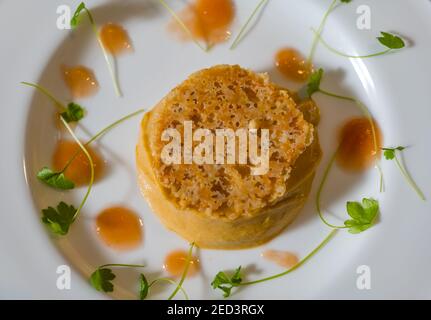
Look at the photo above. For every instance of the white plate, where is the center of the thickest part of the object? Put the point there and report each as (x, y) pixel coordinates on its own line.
(395, 87)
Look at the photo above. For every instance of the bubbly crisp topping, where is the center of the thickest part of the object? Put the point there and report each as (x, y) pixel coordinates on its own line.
(224, 97)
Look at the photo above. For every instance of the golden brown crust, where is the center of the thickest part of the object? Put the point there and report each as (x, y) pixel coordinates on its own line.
(229, 97)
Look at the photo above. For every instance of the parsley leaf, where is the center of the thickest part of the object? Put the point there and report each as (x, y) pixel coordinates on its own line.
(143, 287)
(224, 283)
(75, 19)
(389, 153)
(313, 84)
(60, 219)
(55, 179)
(363, 215)
(73, 113)
(391, 41)
(346, 1)
(101, 280)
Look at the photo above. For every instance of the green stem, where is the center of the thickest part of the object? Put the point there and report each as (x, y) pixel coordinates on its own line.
(61, 107)
(316, 39)
(171, 282)
(90, 160)
(121, 265)
(300, 263)
(239, 37)
(101, 133)
(105, 54)
(348, 55)
(409, 179)
(367, 113)
(186, 269)
(320, 189)
(182, 24)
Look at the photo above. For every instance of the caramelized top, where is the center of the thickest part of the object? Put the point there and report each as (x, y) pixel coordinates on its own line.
(115, 39)
(119, 227)
(357, 150)
(79, 169)
(229, 97)
(80, 80)
(292, 64)
(175, 263)
(209, 20)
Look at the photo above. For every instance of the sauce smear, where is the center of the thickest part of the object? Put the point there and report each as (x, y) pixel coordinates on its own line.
(80, 80)
(292, 64)
(115, 39)
(79, 170)
(209, 20)
(284, 259)
(175, 263)
(357, 150)
(119, 228)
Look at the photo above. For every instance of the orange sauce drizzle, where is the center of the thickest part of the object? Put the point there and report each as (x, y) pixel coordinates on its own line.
(209, 20)
(119, 228)
(284, 259)
(115, 39)
(357, 149)
(175, 263)
(292, 64)
(80, 80)
(79, 170)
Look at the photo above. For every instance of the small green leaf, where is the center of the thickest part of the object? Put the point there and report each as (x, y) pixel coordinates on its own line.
(223, 282)
(74, 113)
(391, 41)
(143, 287)
(101, 280)
(314, 82)
(55, 179)
(346, 1)
(389, 153)
(363, 215)
(75, 19)
(60, 219)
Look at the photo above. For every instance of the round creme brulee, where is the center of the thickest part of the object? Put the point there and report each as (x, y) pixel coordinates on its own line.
(224, 206)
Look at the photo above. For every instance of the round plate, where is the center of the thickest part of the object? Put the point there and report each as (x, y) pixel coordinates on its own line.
(394, 87)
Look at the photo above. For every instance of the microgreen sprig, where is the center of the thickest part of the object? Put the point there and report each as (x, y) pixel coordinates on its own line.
(184, 275)
(391, 154)
(320, 29)
(240, 36)
(101, 278)
(223, 282)
(57, 179)
(313, 87)
(74, 22)
(145, 286)
(390, 41)
(59, 221)
(184, 26)
(362, 215)
(73, 112)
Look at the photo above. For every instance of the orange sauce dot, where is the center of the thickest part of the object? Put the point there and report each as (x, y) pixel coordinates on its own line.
(115, 39)
(209, 20)
(357, 150)
(175, 263)
(80, 80)
(119, 228)
(282, 258)
(79, 170)
(292, 64)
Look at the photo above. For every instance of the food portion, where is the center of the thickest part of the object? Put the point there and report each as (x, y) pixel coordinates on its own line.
(221, 204)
